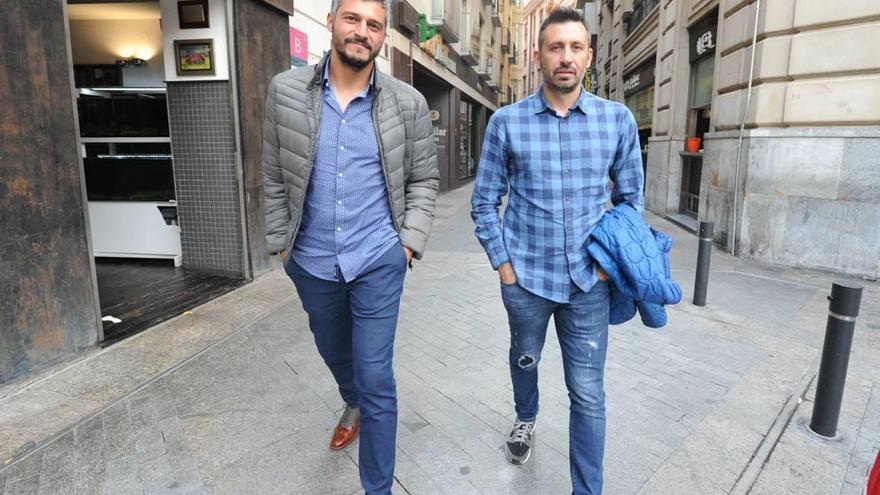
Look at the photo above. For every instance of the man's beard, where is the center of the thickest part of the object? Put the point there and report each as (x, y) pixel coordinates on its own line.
(354, 62)
(560, 88)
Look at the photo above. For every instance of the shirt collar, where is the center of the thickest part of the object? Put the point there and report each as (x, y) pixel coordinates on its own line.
(367, 90)
(540, 105)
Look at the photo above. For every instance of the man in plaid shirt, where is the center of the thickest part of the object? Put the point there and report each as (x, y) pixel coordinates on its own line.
(555, 155)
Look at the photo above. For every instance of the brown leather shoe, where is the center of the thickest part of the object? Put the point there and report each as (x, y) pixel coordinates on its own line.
(347, 429)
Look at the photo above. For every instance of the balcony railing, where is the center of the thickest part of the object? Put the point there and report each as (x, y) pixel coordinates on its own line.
(641, 9)
(505, 40)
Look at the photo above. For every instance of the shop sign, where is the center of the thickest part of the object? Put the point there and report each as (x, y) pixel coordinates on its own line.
(639, 79)
(441, 136)
(439, 51)
(591, 81)
(705, 43)
(632, 82)
(432, 45)
(299, 48)
(703, 38)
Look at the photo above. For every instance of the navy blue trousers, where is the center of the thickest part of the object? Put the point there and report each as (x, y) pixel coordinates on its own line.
(354, 324)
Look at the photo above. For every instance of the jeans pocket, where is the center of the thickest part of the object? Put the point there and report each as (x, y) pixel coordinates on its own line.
(514, 296)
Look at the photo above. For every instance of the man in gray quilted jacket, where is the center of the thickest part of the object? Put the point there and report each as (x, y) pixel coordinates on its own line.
(350, 182)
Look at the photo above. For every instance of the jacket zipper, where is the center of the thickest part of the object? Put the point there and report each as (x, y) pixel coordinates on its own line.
(310, 162)
(378, 101)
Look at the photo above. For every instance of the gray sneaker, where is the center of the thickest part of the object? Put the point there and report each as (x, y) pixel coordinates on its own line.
(519, 444)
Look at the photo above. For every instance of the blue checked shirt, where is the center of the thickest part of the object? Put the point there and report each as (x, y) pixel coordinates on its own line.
(346, 222)
(558, 174)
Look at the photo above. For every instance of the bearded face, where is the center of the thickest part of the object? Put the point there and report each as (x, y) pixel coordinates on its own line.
(564, 56)
(358, 32)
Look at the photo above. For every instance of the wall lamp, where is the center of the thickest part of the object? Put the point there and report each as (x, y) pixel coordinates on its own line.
(130, 61)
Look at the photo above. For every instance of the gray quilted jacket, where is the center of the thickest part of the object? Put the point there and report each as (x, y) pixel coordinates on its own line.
(290, 136)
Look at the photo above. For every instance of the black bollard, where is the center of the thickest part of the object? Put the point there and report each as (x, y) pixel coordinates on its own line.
(842, 312)
(704, 256)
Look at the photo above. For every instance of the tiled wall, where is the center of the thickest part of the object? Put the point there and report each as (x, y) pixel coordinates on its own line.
(208, 202)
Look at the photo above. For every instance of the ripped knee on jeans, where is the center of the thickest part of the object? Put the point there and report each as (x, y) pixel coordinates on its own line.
(527, 361)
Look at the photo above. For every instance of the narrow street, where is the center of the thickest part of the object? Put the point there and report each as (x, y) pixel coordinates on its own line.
(232, 397)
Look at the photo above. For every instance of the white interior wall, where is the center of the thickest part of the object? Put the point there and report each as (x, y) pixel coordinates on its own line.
(217, 32)
(100, 42)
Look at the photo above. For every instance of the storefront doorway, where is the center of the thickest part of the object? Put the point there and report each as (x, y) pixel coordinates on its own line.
(702, 36)
(128, 166)
(438, 94)
(638, 90)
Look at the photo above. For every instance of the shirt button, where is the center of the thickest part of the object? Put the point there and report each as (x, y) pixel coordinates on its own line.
(339, 202)
(340, 174)
(338, 229)
(342, 147)
(343, 121)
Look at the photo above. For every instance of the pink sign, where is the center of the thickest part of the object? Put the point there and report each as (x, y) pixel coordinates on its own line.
(299, 48)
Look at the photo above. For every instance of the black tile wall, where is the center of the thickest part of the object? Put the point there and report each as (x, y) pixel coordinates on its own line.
(207, 189)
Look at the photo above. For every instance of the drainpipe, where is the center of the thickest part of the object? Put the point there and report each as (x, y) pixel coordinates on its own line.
(742, 129)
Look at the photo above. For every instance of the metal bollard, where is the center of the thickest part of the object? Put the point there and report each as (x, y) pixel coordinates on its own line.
(704, 256)
(842, 312)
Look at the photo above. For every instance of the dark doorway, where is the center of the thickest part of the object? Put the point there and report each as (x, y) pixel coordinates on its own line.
(438, 94)
(129, 169)
(144, 293)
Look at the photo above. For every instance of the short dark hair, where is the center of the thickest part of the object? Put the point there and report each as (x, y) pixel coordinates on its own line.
(334, 7)
(560, 16)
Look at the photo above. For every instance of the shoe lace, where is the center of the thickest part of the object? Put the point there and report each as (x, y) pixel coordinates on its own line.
(522, 430)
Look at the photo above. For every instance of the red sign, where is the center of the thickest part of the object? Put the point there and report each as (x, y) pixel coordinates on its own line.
(299, 48)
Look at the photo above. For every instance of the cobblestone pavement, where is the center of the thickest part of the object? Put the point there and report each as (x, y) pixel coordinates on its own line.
(689, 406)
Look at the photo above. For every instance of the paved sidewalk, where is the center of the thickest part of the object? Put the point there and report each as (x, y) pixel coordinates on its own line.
(232, 397)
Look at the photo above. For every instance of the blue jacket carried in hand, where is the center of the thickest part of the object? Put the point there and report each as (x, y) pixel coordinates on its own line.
(636, 259)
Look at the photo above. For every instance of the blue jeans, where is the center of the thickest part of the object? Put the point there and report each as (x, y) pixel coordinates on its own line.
(582, 329)
(354, 325)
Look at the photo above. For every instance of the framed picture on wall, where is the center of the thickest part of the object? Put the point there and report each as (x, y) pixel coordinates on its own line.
(194, 57)
(193, 14)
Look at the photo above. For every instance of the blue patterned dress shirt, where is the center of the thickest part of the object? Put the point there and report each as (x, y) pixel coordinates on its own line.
(346, 222)
(558, 174)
